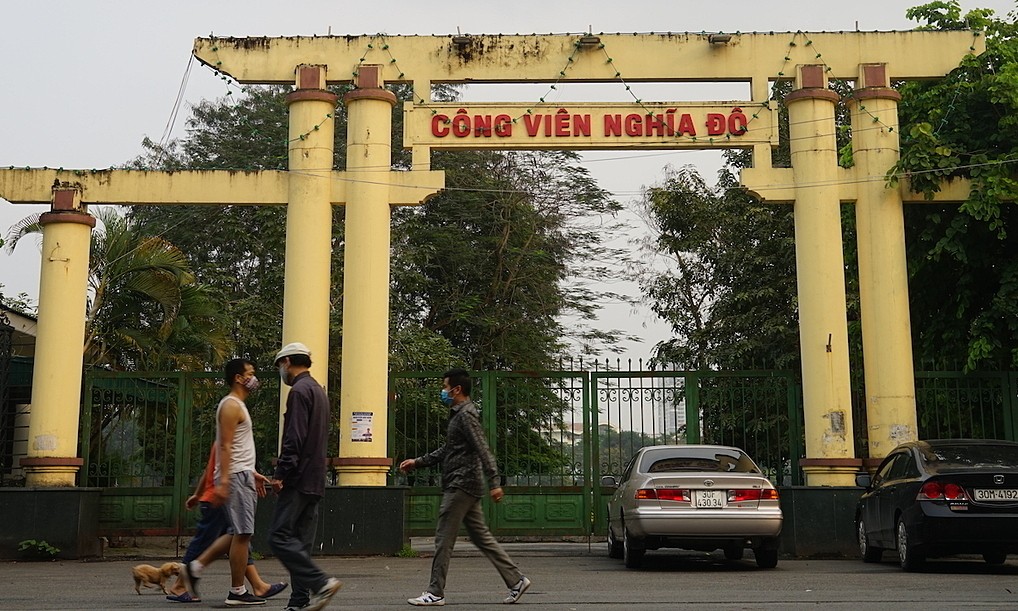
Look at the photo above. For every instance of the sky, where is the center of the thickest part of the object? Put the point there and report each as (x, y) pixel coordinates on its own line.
(85, 82)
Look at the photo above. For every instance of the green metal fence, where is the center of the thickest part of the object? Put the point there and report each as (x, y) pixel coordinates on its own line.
(554, 434)
(145, 437)
(955, 405)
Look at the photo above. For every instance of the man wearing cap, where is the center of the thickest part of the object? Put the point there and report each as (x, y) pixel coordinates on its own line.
(299, 480)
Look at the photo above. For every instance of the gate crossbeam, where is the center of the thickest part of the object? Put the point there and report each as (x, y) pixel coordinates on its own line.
(662, 57)
(195, 187)
(777, 186)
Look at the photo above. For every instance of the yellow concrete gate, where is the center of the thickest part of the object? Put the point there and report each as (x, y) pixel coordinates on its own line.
(815, 186)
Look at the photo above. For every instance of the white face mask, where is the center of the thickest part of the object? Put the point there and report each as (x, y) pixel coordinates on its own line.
(283, 375)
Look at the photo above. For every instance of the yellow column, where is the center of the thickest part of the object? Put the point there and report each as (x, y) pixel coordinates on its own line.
(364, 394)
(883, 276)
(56, 379)
(306, 288)
(823, 327)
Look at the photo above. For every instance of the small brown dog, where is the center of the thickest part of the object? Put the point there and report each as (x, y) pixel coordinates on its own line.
(150, 576)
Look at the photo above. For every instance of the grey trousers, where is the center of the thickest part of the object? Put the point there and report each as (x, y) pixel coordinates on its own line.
(458, 508)
(291, 539)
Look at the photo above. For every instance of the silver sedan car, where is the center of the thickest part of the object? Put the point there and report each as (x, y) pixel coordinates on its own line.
(699, 497)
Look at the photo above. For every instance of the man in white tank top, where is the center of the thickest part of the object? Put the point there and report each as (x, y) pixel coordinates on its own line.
(237, 484)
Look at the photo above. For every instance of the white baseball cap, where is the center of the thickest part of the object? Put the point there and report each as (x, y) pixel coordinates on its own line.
(292, 349)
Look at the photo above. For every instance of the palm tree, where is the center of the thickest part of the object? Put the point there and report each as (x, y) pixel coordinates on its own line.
(145, 310)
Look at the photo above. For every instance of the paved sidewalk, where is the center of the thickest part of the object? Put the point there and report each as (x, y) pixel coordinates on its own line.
(568, 576)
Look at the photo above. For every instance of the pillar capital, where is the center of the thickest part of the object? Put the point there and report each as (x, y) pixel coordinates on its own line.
(81, 218)
(811, 84)
(873, 83)
(310, 76)
(310, 82)
(369, 86)
(66, 207)
(66, 198)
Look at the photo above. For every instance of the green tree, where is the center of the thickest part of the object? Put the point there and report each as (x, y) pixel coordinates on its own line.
(727, 285)
(495, 262)
(145, 310)
(482, 275)
(237, 251)
(491, 265)
(963, 260)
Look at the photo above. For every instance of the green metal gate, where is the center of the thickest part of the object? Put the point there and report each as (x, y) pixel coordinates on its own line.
(554, 434)
(145, 438)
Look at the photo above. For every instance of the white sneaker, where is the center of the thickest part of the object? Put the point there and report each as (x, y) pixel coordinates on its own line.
(516, 592)
(322, 597)
(427, 599)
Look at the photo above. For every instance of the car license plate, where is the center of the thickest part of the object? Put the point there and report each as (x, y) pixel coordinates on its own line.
(995, 495)
(710, 499)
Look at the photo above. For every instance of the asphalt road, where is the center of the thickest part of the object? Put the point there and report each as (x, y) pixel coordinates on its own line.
(569, 576)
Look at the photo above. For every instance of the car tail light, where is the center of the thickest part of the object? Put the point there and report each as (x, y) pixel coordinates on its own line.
(752, 494)
(673, 494)
(663, 494)
(938, 491)
(954, 492)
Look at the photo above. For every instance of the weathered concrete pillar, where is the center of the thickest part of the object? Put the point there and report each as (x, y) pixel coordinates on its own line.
(52, 459)
(364, 405)
(883, 275)
(306, 304)
(823, 326)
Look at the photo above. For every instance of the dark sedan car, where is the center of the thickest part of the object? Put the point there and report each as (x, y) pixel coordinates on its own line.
(941, 497)
(699, 497)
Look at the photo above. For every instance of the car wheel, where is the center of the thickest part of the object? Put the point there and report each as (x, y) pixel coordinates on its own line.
(614, 545)
(734, 552)
(868, 552)
(994, 557)
(632, 550)
(766, 557)
(910, 557)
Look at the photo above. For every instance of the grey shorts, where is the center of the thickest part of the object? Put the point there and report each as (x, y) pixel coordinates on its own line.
(240, 507)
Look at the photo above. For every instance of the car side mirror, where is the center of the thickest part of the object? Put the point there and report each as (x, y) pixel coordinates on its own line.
(609, 480)
(863, 480)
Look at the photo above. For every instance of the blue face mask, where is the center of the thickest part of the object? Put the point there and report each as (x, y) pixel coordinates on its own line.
(446, 397)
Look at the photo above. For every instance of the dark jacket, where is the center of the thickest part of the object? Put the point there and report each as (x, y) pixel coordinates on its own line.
(301, 464)
(465, 457)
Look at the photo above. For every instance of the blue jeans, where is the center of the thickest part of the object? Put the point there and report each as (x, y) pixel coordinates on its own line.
(211, 525)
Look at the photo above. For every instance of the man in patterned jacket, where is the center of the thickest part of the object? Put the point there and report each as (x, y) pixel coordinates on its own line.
(468, 468)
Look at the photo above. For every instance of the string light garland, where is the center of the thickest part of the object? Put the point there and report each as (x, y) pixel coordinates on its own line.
(218, 71)
(379, 43)
(305, 135)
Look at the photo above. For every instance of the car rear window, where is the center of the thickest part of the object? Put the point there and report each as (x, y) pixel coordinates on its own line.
(698, 459)
(950, 457)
